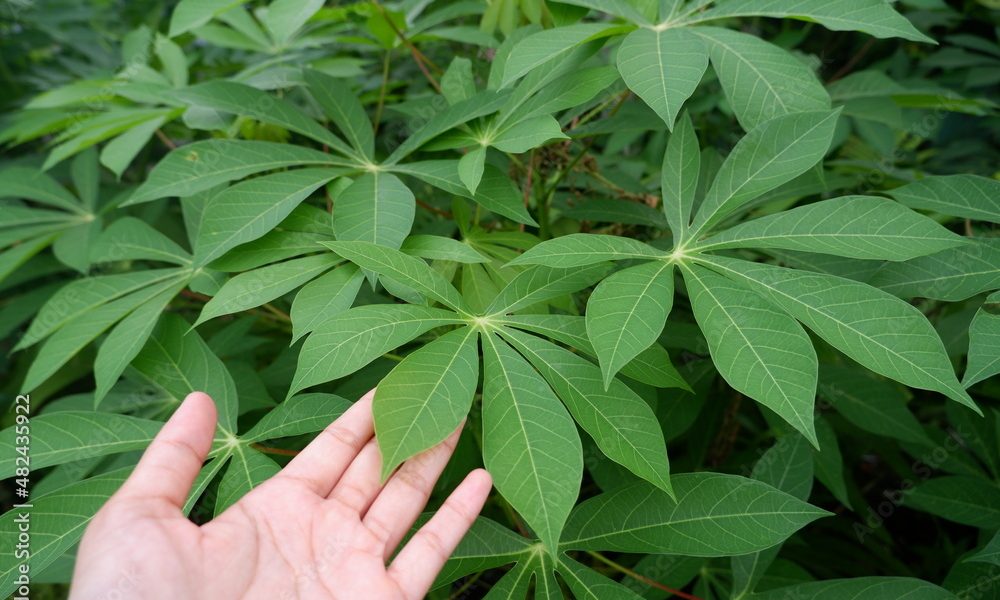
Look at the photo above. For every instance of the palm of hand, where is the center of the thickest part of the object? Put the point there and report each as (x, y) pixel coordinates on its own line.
(325, 527)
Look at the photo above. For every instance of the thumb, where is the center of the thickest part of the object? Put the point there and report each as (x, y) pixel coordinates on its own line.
(172, 461)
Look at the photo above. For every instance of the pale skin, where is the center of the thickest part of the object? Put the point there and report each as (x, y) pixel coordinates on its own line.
(325, 527)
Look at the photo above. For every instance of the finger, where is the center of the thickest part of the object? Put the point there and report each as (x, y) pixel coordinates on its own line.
(406, 493)
(420, 560)
(172, 461)
(359, 485)
(321, 464)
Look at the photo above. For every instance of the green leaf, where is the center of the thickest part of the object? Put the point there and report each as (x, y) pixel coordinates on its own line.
(246, 211)
(127, 339)
(588, 584)
(550, 44)
(376, 208)
(328, 295)
(869, 402)
(762, 81)
(75, 335)
(305, 413)
(874, 17)
(853, 226)
(343, 108)
(179, 362)
(458, 83)
(964, 196)
(882, 333)
(651, 367)
(119, 153)
(66, 436)
(828, 462)
(583, 249)
(539, 284)
(530, 444)
(869, 588)
(407, 270)
(189, 14)
(990, 553)
(625, 9)
(31, 184)
(425, 397)
(663, 67)
(575, 88)
(963, 499)
(951, 275)
(246, 470)
(241, 99)
(481, 104)
(759, 350)
(203, 165)
(57, 523)
(496, 192)
(253, 288)
(435, 247)
(529, 133)
(129, 238)
(620, 422)
(350, 340)
(714, 515)
(470, 168)
(86, 177)
(626, 313)
(284, 18)
(984, 343)
(771, 154)
(679, 177)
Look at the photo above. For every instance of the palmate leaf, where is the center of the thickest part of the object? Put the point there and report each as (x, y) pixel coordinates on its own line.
(253, 288)
(952, 275)
(853, 226)
(769, 155)
(477, 106)
(127, 339)
(652, 366)
(57, 523)
(984, 342)
(869, 588)
(759, 350)
(626, 313)
(241, 99)
(200, 166)
(964, 196)
(129, 238)
(305, 413)
(869, 402)
(352, 339)
(960, 498)
(66, 436)
(679, 177)
(247, 210)
(487, 545)
(247, 468)
(36, 185)
(75, 335)
(177, 361)
(872, 327)
(621, 423)
(714, 515)
(376, 208)
(762, 81)
(582, 249)
(323, 297)
(874, 17)
(663, 67)
(407, 270)
(530, 444)
(539, 284)
(425, 397)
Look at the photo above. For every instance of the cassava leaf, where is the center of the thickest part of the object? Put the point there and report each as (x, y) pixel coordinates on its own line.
(581, 249)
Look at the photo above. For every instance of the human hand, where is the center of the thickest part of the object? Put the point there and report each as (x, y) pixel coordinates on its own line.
(324, 527)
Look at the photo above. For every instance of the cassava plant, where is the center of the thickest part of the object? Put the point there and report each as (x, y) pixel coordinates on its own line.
(759, 236)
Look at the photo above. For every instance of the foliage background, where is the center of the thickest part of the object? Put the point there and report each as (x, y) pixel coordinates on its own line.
(97, 94)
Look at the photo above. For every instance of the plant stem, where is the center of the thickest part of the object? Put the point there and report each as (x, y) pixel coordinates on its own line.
(639, 577)
(381, 91)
